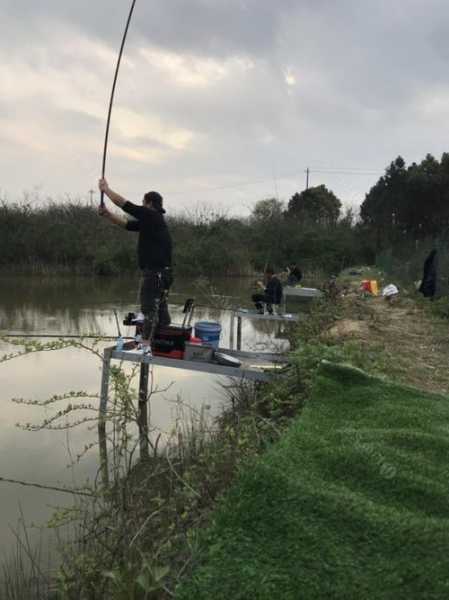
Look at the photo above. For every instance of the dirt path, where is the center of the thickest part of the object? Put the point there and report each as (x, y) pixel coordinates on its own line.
(412, 345)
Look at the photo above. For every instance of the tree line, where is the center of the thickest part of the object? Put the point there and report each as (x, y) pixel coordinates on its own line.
(408, 203)
(406, 214)
(406, 209)
(309, 230)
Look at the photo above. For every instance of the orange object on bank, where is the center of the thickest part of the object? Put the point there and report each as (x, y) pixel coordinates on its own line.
(370, 286)
(366, 287)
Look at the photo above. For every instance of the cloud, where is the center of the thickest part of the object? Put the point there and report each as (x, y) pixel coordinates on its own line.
(216, 27)
(189, 70)
(217, 93)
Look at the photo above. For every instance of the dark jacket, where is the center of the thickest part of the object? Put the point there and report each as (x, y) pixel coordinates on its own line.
(273, 291)
(154, 247)
(429, 279)
(294, 276)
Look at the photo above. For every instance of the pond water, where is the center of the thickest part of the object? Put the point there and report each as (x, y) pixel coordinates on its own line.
(58, 305)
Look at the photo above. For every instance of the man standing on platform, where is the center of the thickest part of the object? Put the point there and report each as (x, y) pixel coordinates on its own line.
(154, 252)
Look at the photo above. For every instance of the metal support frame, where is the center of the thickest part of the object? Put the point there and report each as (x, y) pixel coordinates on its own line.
(241, 314)
(142, 417)
(239, 333)
(299, 292)
(231, 332)
(256, 366)
(104, 393)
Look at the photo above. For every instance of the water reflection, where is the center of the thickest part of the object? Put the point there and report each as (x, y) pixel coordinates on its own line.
(74, 305)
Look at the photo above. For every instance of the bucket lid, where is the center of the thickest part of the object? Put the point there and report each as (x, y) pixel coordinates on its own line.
(208, 324)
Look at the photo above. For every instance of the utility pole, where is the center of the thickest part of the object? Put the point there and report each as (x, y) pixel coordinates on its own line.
(307, 178)
(91, 194)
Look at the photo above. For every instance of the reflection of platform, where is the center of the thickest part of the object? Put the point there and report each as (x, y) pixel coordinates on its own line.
(242, 313)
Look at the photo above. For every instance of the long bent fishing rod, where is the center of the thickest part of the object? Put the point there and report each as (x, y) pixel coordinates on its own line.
(111, 101)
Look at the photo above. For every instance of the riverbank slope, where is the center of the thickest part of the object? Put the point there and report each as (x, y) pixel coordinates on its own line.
(352, 501)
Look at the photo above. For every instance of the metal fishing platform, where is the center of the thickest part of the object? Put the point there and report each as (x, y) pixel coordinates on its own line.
(242, 313)
(299, 292)
(172, 348)
(255, 366)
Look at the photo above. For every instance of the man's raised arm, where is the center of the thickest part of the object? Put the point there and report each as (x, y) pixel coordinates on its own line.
(113, 196)
(113, 218)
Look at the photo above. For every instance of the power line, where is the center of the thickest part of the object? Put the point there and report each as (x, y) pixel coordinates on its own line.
(347, 171)
(308, 170)
(226, 187)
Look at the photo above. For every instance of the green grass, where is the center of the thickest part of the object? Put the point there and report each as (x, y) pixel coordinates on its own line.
(352, 503)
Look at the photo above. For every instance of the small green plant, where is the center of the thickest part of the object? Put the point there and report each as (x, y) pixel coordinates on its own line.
(439, 308)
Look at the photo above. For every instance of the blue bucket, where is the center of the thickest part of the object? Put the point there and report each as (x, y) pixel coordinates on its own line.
(208, 332)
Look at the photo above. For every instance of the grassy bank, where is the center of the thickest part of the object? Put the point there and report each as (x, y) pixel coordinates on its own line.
(351, 503)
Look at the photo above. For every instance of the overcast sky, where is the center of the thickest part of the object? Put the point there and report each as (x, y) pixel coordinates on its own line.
(219, 102)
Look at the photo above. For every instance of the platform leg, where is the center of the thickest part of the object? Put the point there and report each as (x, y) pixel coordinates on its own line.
(231, 333)
(142, 417)
(239, 333)
(102, 442)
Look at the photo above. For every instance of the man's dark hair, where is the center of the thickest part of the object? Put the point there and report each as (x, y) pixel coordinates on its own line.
(269, 270)
(155, 199)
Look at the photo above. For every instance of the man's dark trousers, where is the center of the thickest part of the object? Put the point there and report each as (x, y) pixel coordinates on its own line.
(153, 299)
(260, 300)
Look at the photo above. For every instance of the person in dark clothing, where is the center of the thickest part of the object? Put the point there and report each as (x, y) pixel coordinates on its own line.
(294, 275)
(154, 253)
(272, 293)
(429, 278)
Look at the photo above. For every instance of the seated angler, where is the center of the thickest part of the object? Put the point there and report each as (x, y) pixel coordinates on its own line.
(294, 274)
(154, 250)
(272, 292)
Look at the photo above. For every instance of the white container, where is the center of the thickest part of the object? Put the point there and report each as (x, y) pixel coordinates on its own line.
(198, 352)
